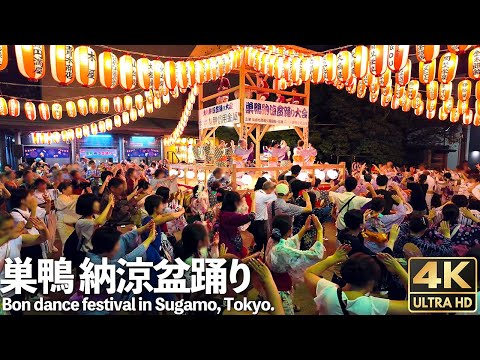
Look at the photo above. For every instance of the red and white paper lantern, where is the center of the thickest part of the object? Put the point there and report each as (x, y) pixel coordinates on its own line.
(108, 69)
(62, 63)
(85, 61)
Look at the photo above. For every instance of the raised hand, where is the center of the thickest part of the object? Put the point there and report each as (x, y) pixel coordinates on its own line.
(261, 269)
(389, 261)
(394, 231)
(38, 224)
(317, 223)
(340, 254)
(445, 229)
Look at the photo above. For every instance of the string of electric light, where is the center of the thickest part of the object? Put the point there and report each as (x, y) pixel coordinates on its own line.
(187, 111)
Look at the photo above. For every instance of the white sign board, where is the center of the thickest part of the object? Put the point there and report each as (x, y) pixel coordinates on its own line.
(276, 114)
(219, 115)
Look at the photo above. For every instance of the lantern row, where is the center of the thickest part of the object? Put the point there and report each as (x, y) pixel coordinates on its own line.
(187, 111)
(83, 106)
(373, 68)
(68, 64)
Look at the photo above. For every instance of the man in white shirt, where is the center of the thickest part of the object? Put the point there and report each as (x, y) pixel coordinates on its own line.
(263, 197)
(348, 200)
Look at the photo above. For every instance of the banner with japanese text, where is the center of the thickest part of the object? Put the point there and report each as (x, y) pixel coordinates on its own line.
(276, 114)
(219, 115)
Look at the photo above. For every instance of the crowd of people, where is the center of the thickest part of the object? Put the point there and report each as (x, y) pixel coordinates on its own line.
(380, 216)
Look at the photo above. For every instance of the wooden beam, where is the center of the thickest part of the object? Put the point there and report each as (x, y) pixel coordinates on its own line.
(250, 80)
(299, 132)
(289, 93)
(241, 84)
(264, 131)
(220, 93)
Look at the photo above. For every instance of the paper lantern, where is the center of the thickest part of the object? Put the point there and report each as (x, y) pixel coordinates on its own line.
(82, 107)
(158, 74)
(133, 114)
(464, 90)
(71, 134)
(477, 89)
(104, 105)
(64, 135)
(145, 73)
(297, 68)
(93, 105)
(13, 107)
(444, 91)
(71, 109)
(48, 138)
(442, 115)
(127, 67)
(127, 102)
(373, 97)
(427, 53)
(385, 99)
(385, 79)
(454, 115)
(44, 111)
(3, 106)
(86, 130)
(3, 57)
(352, 88)
(403, 100)
(474, 64)
(181, 74)
(108, 69)
(287, 68)
(360, 61)
(190, 71)
(458, 49)
(448, 105)
(378, 56)
(117, 104)
(430, 114)
(108, 124)
(407, 105)
(125, 118)
(374, 87)
(395, 103)
(149, 108)
(412, 89)
(477, 106)
(78, 133)
(462, 106)
(199, 72)
(417, 101)
(316, 66)
(157, 103)
(427, 71)
(339, 85)
(447, 67)
(306, 68)
(344, 66)
(402, 77)
(368, 78)
(329, 68)
(431, 105)
(62, 64)
(93, 129)
(31, 61)
(56, 136)
(397, 57)
(148, 96)
(213, 67)
(361, 89)
(141, 112)
(166, 98)
(30, 111)
(468, 117)
(476, 119)
(175, 93)
(432, 90)
(386, 89)
(139, 101)
(170, 77)
(57, 111)
(85, 61)
(399, 91)
(101, 126)
(117, 121)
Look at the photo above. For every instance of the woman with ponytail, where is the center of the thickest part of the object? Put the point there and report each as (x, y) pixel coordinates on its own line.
(285, 259)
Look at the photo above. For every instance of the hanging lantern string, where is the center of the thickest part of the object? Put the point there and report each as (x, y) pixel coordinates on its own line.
(76, 97)
(303, 51)
(50, 86)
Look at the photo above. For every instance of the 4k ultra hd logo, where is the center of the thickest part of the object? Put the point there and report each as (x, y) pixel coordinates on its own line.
(447, 284)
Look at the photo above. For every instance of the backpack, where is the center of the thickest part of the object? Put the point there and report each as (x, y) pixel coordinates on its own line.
(71, 249)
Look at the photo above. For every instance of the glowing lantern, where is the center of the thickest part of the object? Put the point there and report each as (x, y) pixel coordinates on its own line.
(477, 106)
(361, 89)
(386, 89)
(181, 74)
(149, 107)
(166, 98)
(31, 61)
(442, 115)
(13, 107)
(468, 117)
(374, 87)
(402, 77)
(56, 136)
(157, 103)
(128, 72)
(199, 72)
(71, 134)
(431, 104)
(101, 126)
(127, 102)
(339, 85)
(462, 106)
(71, 109)
(385, 79)
(93, 129)
(427, 53)
(296, 68)
(360, 61)
(93, 105)
(378, 56)
(373, 97)
(158, 74)
(190, 71)
(329, 68)
(477, 89)
(104, 105)
(464, 89)
(149, 96)
(417, 101)
(56, 111)
(44, 111)
(145, 73)
(458, 49)
(306, 68)
(108, 69)
(61, 64)
(139, 101)
(344, 69)
(412, 88)
(214, 67)
(403, 100)
(82, 107)
(278, 67)
(287, 69)
(407, 105)
(397, 56)
(352, 88)
(133, 114)
(368, 78)
(3, 107)
(476, 120)
(175, 93)
(85, 65)
(170, 77)
(399, 91)
(445, 91)
(141, 112)
(447, 68)
(108, 124)
(474, 64)
(86, 130)
(117, 121)
(427, 71)
(454, 115)
(385, 99)
(78, 133)
(316, 66)
(3, 57)
(30, 111)
(64, 135)
(430, 114)
(448, 105)
(395, 103)
(432, 90)
(117, 104)
(125, 118)
(48, 138)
